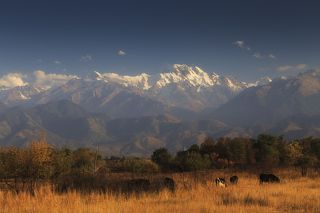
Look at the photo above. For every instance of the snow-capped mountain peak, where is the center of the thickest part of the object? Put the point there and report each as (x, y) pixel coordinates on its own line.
(140, 81)
(188, 87)
(187, 75)
(182, 75)
(262, 81)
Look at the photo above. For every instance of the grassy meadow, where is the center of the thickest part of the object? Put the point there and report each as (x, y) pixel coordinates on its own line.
(195, 192)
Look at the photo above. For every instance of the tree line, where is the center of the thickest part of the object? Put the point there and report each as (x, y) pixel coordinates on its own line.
(265, 152)
(23, 168)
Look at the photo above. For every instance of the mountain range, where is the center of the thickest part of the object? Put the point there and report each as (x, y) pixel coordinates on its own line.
(133, 115)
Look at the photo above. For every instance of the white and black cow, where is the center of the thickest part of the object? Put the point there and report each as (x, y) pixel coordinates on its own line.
(221, 182)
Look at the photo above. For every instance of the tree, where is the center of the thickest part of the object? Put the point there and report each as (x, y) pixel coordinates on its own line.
(37, 164)
(62, 162)
(293, 152)
(304, 162)
(192, 160)
(308, 156)
(207, 147)
(27, 166)
(163, 158)
(136, 165)
(86, 161)
(221, 149)
(267, 153)
(237, 151)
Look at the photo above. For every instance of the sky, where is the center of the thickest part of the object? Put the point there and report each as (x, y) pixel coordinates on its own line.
(247, 39)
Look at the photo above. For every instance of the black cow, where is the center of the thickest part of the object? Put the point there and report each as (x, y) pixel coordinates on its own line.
(234, 179)
(163, 183)
(269, 178)
(170, 184)
(220, 182)
(138, 185)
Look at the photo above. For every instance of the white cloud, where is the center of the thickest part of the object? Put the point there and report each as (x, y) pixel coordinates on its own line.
(286, 68)
(122, 53)
(271, 56)
(257, 55)
(86, 58)
(12, 80)
(243, 45)
(239, 44)
(38, 79)
(262, 56)
(46, 81)
(57, 62)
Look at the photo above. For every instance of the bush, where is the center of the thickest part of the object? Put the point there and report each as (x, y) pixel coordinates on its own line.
(140, 166)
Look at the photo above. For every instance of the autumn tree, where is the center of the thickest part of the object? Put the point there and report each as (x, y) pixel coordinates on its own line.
(25, 167)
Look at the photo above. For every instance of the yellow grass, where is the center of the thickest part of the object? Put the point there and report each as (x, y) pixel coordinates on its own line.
(291, 195)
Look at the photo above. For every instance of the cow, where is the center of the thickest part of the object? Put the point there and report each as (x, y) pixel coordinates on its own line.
(169, 184)
(268, 178)
(163, 183)
(234, 179)
(220, 182)
(138, 185)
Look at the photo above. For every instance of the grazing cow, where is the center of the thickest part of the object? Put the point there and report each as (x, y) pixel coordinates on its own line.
(221, 182)
(234, 179)
(169, 184)
(138, 185)
(163, 183)
(269, 178)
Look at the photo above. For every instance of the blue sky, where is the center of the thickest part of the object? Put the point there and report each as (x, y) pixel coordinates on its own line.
(129, 37)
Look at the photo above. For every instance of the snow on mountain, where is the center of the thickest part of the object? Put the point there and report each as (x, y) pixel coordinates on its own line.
(16, 88)
(19, 94)
(262, 81)
(187, 87)
(139, 81)
(182, 75)
(193, 76)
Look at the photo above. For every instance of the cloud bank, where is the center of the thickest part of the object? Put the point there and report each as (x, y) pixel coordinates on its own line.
(38, 79)
(46, 81)
(287, 68)
(12, 80)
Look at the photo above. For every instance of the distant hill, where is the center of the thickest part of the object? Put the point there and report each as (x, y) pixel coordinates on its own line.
(283, 106)
(133, 115)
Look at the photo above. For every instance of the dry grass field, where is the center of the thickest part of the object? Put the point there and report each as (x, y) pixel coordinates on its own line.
(195, 193)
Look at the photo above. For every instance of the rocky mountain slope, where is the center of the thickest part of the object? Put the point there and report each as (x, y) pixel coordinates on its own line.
(184, 90)
(283, 106)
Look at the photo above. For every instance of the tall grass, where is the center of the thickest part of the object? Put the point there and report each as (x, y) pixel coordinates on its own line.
(192, 195)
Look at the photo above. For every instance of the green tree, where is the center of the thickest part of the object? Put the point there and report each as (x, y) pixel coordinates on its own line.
(163, 158)
(136, 165)
(237, 149)
(222, 151)
(207, 147)
(308, 157)
(267, 153)
(192, 160)
(62, 162)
